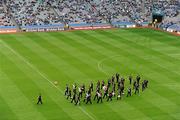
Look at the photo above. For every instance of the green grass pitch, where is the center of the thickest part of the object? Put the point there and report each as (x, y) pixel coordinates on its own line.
(31, 62)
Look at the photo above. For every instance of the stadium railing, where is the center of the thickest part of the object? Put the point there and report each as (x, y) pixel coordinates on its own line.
(174, 28)
(144, 24)
(40, 28)
(124, 24)
(86, 26)
(8, 29)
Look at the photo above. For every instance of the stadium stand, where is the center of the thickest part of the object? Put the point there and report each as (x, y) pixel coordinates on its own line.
(74, 11)
(170, 10)
(6, 24)
(4, 16)
(32, 12)
(31, 15)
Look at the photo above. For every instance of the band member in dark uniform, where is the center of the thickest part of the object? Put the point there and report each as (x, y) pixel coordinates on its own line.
(110, 96)
(91, 86)
(73, 98)
(117, 77)
(103, 84)
(129, 92)
(138, 79)
(136, 88)
(69, 94)
(83, 88)
(40, 99)
(99, 97)
(88, 98)
(77, 100)
(66, 90)
(130, 79)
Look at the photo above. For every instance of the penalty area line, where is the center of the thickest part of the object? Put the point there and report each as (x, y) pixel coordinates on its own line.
(41, 74)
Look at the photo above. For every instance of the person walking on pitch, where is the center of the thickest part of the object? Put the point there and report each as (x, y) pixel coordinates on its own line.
(40, 99)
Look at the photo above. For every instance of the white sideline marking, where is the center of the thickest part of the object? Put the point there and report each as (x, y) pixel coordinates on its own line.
(41, 74)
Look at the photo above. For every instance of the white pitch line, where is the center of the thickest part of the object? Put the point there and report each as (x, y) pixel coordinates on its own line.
(101, 61)
(174, 54)
(41, 74)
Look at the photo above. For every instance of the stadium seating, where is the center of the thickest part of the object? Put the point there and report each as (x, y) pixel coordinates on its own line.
(73, 11)
(4, 17)
(32, 12)
(29, 13)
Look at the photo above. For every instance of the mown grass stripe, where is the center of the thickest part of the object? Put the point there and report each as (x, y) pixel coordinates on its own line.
(59, 104)
(75, 57)
(7, 113)
(87, 37)
(153, 64)
(113, 47)
(153, 44)
(30, 93)
(97, 112)
(17, 101)
(162, 105)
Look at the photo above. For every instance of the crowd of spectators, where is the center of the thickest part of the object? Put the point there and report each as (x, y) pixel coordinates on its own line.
(169, 8)
(5, 19)
(111, 10)
(170, 11)
(101, 11)
(32, 12)
(78, 11)
(50, 12)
